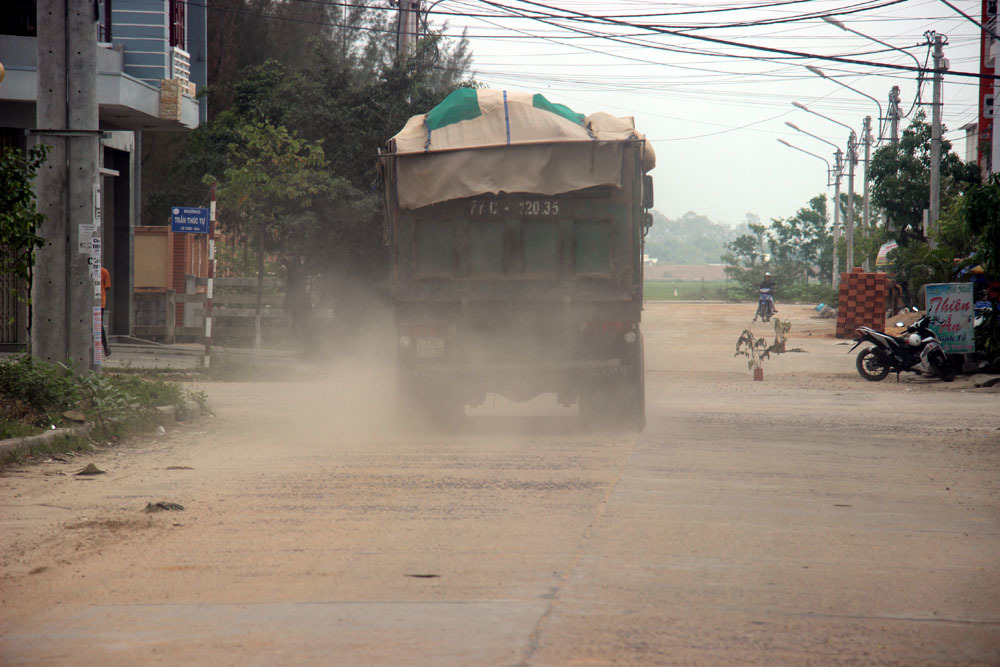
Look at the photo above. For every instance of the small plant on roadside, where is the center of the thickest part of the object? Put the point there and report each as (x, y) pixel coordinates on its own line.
(199, 398)
(755, 349)
(111, 403)
(781, 329)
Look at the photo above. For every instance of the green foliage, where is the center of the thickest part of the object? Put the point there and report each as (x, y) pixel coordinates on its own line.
(270, 179)
(811, 292)
(801, 243)
(754, 349)
(199, 398)
(19, 218)
(12, 428)
(979, 215)
(34, 391)
(110, 402)
(781, 329)
(147, 391)
(980, 210)
(900, 176)
(796, 250)
(918, 264)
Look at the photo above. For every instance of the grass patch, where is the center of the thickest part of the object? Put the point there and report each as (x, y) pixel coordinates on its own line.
(15, 429)
(686, 290)
(34, 394)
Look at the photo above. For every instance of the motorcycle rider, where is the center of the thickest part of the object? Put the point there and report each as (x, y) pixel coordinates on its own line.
(767, 283)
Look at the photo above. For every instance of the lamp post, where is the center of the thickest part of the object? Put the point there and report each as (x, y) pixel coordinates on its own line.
(799, 129)
(833, 174)
(833, 21)
(852, 159)
(894, 113)
(820, 73)
(865, 219)
(867, 138)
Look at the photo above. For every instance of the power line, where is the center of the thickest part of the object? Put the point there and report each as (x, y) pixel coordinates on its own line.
(972, 20)
(766, 49)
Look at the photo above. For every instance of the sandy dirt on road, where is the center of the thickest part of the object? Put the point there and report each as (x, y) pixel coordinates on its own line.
(306, 492)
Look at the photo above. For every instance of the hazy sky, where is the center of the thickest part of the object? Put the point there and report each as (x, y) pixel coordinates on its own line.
(712, 111)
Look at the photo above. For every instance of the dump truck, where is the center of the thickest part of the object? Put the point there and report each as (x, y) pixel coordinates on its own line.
(516, 230)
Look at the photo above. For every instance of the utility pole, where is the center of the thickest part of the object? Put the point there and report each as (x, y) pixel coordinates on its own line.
(940, 65)
(894, 114)
(838, 170)
(406, 28)
(66, 286)
(865, 221)
(852, 159)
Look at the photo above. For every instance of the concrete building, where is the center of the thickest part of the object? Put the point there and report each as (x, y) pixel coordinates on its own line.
(151, 62)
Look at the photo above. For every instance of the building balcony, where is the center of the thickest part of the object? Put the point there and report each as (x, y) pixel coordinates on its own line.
(125, 102)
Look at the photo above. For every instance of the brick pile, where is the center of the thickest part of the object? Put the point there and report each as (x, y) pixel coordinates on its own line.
(862, 301)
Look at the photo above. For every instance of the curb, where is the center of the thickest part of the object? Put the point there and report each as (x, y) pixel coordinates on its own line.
(27, 442)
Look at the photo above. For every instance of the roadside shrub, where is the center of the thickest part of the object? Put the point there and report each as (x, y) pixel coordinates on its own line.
(37, 387)
(811, 293)
(146, 391)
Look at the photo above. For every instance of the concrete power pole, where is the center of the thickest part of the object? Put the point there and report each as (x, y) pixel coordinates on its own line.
(940, 64)
(406, 28)
(852, 159)
(894, 114)
(66, 302)
(865, 220)
(838, 171)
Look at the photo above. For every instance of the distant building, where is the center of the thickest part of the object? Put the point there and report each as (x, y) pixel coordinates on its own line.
(971, 152)
(151, 62)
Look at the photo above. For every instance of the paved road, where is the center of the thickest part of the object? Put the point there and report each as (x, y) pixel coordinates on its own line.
(810, 518)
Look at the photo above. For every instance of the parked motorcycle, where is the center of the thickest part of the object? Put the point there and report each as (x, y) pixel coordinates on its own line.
(765, 305)
(919, 350)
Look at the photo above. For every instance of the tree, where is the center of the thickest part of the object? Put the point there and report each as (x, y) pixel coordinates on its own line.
(267, 191)
(979, 212)
(796, 250)
(900, 176)
(19, 218)
(801, 242)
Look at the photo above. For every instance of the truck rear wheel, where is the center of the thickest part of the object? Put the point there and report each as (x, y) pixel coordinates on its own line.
(617, 403)
(421, 404)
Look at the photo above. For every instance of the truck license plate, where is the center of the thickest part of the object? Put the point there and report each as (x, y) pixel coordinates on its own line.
(430, 348)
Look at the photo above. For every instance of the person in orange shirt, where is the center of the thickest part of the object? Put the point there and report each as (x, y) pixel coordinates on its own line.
(105, 284)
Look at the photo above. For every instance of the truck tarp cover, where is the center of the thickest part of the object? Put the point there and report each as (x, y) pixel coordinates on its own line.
(489, 141)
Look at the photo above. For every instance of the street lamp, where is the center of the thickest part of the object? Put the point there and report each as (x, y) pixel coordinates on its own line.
(799, 129)
(852, 159)
(799, 105)
(894, 113)
(829, 171)
(834, 175)
(833, 21)
(820, 73)
(867, 138)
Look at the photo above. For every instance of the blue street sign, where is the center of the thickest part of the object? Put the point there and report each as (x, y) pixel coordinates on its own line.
(188, 219)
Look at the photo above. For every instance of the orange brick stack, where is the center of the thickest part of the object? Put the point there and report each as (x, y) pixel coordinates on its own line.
(862, 301)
